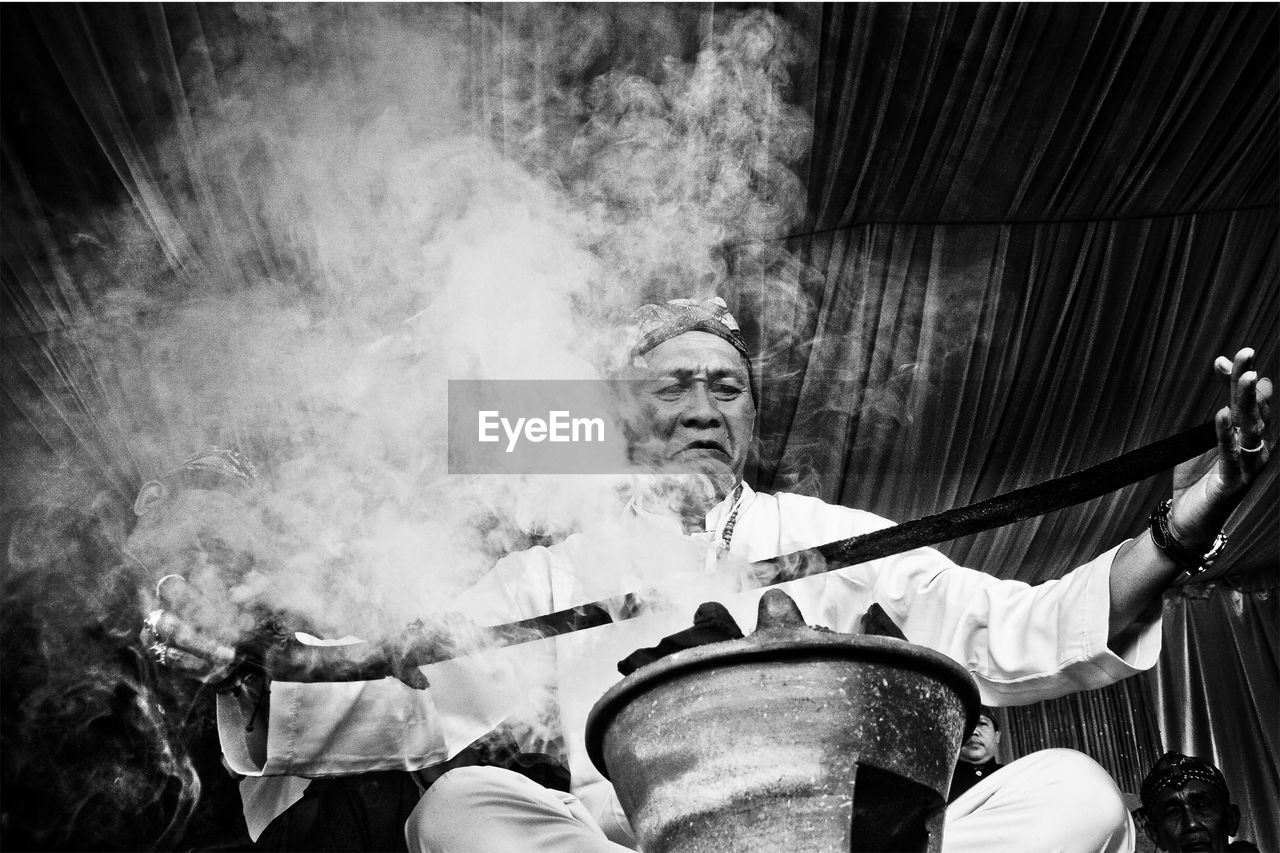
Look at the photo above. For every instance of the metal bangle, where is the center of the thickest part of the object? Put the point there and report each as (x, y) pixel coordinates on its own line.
(1190, 561)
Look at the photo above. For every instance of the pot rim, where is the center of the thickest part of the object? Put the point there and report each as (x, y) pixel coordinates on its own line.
(786, 645)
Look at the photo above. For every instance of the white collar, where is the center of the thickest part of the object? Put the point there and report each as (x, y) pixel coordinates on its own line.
(715, 519)
(720, 513)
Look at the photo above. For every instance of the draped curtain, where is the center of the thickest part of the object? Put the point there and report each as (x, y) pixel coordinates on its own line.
(1215, 689)
(1029, 229)
(1018, 211)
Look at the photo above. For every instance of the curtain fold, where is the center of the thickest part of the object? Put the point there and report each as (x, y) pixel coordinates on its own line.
(1215, 690)
(939, 352)
(1012, 112)
(1116, 726)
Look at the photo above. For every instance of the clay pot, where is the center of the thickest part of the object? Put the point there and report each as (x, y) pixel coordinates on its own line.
(791, 739)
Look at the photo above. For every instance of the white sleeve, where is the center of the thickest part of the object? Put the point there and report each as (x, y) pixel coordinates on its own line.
(601, 802)
(359, 726)
(1021, 643)
(327, 729)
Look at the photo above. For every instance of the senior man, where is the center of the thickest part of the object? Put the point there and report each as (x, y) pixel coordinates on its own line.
(1186, 806)
(199, 535)
(695, 412)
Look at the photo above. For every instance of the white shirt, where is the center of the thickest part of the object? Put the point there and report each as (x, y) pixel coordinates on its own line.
(1022, 644)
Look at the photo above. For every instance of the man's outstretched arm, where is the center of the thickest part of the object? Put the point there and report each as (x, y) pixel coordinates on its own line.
(1142, 571)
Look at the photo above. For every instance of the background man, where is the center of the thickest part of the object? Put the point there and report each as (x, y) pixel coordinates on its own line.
(1186, 806)
(977, 755)
(196, 533)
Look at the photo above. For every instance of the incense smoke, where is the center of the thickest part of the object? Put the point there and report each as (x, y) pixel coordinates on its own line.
(343, 238)
(346, 206)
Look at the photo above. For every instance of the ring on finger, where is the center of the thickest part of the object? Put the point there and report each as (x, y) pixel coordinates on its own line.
(166, 579)
(1240, 442)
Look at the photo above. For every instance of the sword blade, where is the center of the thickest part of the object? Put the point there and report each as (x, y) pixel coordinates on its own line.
(1017, 505)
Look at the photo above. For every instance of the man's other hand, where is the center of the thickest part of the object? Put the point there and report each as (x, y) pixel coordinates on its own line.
(178, 647)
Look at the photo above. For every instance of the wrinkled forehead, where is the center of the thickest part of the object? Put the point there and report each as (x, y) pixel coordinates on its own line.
(693, 352)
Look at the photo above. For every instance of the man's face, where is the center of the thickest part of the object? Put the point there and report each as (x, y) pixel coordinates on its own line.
(1193, 816)
(696, 410)
(211, 538)
(981, 745)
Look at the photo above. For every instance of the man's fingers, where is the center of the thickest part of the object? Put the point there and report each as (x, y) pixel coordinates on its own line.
(1249, 401)
(1254, 410)
(189, 665)
(1240, 365)
(1264, 406)
(1248, 396)
(186, 663)
(1262, 392)
(1227, 446)
(1250, 416)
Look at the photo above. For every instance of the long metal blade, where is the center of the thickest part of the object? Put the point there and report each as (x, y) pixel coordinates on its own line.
(315, 663)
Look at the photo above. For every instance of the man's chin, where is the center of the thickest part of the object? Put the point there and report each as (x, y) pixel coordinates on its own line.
(711, 465)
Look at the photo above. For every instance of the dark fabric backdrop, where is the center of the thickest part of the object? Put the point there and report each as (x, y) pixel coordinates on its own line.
(1220, 641)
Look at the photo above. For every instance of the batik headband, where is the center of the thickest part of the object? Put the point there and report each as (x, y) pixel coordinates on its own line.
(653, 324)
(210, 465)
(1174, 770)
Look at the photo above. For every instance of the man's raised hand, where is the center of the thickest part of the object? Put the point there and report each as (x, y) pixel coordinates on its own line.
(1203, 499)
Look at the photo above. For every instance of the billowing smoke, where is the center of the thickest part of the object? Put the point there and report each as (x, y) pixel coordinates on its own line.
(345, 207)
(342, 234)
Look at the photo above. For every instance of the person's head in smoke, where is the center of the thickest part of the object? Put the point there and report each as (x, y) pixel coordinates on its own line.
(195, 522)
(1186, 805)
(695, 400)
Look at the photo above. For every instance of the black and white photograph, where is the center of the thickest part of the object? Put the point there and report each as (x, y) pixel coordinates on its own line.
(673, 427)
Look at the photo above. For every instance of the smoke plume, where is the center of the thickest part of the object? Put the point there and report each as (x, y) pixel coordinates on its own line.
(331, 211)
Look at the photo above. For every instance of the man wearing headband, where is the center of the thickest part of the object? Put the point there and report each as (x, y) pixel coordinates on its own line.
(1186, 806)
(197, 537)
(694, 411)
(696, 405)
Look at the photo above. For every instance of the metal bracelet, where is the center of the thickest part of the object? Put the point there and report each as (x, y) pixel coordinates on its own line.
(1192, 562)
